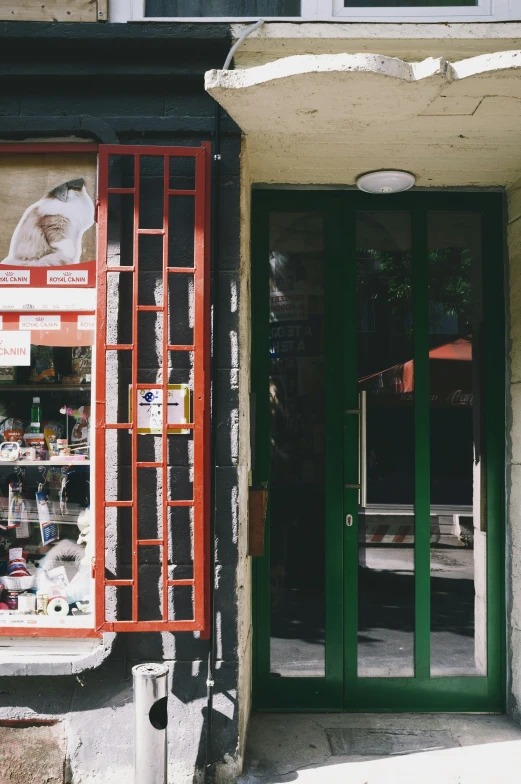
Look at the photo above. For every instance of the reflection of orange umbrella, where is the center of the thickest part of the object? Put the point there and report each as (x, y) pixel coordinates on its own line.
(460, 349)
(445, 379)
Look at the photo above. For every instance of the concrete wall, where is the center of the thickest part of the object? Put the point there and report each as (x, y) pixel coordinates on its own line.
(244, 570)
(144, 88)
(513, 543)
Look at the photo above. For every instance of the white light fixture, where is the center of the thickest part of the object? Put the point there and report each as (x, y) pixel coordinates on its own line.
(386, 181)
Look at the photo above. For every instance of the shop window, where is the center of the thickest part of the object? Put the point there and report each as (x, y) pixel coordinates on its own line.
(204, 8)
(48, 304)
(408, 3)
(319, 10)
(422, 10)
(103, 511)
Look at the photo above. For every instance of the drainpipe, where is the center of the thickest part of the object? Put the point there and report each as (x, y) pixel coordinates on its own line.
(214, 253)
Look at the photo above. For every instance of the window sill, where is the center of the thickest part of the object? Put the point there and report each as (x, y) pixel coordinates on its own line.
(53, 656)
(352, 18)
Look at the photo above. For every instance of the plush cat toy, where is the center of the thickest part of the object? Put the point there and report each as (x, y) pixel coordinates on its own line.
(76, 557)
(50, 231)
(79, 586)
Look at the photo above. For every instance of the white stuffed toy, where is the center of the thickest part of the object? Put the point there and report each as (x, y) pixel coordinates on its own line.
(75, 557)
(79, 586)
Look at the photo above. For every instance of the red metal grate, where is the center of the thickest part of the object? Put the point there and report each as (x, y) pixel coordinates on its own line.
(200, 348)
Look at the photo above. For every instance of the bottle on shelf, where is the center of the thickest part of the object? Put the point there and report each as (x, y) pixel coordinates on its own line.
(36, 416)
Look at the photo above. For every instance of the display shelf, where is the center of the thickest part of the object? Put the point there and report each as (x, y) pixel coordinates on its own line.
(45, 387)
(11, 463)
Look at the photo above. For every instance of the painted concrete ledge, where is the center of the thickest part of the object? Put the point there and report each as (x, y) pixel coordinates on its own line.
(414, 41)
(20, 656)
(459, 119)
(356, 88)
(304, 31)
(493, 64)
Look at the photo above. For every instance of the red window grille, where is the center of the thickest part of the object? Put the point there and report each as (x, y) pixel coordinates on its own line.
(198, 270)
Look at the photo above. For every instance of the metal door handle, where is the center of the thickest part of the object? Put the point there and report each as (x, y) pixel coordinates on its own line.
(360, 412)
(349, 520)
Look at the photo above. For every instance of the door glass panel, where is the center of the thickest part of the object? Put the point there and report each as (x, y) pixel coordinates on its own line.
(385, 375)
(407, 3)
(297, 447)
(458, 532)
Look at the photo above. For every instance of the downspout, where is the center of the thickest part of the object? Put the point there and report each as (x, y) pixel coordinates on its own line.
(214, 254)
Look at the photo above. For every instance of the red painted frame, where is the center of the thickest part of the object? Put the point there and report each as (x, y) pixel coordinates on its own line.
(35, 149)
(201, 392)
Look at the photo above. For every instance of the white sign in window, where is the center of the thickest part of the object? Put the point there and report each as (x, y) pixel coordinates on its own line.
(39, 322)
(86, 322)
(10, 277)
(150, 409)
(67, 277)
(15, 348)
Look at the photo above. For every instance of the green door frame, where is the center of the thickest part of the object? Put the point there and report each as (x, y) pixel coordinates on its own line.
(340, 689)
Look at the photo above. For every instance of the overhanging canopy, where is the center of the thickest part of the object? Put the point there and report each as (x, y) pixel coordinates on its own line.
(327, 118)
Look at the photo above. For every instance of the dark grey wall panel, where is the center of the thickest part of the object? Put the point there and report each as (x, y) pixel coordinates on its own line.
(142, 84)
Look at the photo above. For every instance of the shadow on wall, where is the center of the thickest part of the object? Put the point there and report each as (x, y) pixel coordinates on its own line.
(96, 708)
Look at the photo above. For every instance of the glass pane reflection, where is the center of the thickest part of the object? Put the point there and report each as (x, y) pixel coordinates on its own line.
(406, 3)
(230, 8)
(297, 478)
(458, 543)
(385, 384)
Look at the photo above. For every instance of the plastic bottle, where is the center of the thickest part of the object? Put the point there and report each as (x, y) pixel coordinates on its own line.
(36, 416)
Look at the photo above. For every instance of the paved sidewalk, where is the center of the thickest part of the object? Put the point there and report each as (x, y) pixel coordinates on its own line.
(382, 749)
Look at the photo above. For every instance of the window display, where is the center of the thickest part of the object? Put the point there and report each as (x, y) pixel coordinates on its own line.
(47, 303)
(45, 492)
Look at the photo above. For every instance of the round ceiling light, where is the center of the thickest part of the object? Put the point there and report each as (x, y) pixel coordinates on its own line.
(386, 181)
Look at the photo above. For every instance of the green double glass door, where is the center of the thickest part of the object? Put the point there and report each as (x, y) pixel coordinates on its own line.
(378, 389)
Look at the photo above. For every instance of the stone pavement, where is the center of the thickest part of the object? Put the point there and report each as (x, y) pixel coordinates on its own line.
(382, 749)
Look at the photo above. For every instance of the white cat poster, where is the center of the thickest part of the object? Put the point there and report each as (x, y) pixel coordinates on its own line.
(47, 206)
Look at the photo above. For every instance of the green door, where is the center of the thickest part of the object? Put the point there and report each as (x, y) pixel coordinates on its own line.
(378, 408)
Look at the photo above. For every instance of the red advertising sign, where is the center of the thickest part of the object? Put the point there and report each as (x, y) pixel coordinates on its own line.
(81, 275)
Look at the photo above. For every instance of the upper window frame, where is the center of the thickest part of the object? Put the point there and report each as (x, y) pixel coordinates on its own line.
(334, 11)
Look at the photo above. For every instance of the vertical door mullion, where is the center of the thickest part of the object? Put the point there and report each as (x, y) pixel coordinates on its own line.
(493, 400)
(336, 260)
(351, 453)
(421, 443)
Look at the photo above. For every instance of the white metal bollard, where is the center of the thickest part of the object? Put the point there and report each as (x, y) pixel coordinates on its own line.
(151, 719)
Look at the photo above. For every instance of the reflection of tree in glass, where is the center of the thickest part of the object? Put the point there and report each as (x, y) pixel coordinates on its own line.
(449, 282)
(385, 277)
